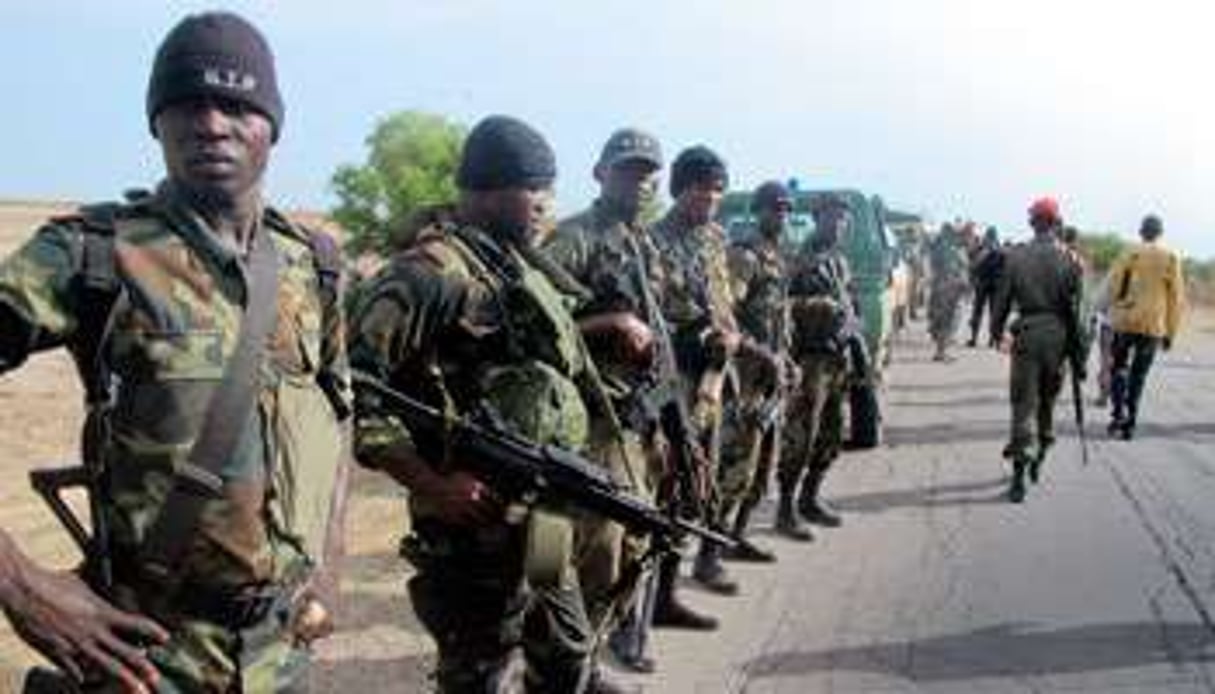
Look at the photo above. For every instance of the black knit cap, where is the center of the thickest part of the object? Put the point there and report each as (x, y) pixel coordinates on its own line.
(696, 165)
(504, 152)
(770, 194)
(217, 54)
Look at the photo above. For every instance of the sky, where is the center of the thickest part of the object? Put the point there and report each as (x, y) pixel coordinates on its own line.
(950, 108)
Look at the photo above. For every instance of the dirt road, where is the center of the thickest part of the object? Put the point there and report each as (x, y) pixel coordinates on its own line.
(1103, 581)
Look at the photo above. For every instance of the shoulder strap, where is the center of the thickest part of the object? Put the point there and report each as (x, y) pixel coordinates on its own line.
(231, 405)
(97, 290)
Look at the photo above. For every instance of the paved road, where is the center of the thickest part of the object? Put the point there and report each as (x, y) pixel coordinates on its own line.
(1104, 581)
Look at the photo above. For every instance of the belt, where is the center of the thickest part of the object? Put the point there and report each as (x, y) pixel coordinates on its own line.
(230, 608)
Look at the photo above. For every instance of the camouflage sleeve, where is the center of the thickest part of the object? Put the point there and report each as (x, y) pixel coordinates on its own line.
(36, 309)
(389, 336)
(742, 263)
(1002, 306)
(568, 248)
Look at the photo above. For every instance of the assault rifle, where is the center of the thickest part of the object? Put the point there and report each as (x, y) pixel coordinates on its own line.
(1077, 356)
(522, 470)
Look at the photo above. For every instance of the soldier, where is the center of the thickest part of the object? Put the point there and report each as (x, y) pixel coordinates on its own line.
(608, 250)
(207, 330)
(947, 258)
(465, 321)
(825, 339)
(699, 307)
(985, 266)
(1146, 301)
(1043, 282)
(751, 444)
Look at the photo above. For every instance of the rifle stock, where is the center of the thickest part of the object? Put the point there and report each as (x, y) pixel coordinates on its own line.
(50, 483)
(536, 474)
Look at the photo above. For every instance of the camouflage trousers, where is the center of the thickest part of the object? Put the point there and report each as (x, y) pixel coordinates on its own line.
(1035, 379)
(944, 310)
(814, 422)
(495, 633)
(602, 549)
(750, 447)
(205, 658)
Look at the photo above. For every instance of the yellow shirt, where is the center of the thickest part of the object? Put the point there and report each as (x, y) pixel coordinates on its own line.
(1146, 291)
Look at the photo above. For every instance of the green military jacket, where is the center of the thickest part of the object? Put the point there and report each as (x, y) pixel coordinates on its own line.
(611, 259)
(761, 290)
(697, 293)
(439, 323)
(1041, 281)
(170, 342)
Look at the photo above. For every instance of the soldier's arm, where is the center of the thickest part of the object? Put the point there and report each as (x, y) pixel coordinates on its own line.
(1003, 302)
(394, 328)
(35, 300)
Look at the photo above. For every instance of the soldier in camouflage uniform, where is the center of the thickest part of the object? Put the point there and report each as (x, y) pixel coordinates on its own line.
(986, 264)
(948, 261)
(751, 440)
(222, 616)
(824, 329)
(1043, 282)
(698, 304)
(466, 321)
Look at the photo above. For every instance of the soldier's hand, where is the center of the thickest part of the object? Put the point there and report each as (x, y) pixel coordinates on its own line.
(727, 340)
(57, 614)
(628, 337)
(311, 620)
(462, 499)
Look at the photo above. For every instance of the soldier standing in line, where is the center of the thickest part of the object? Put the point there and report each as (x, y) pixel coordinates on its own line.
(208, 332)
(947, 258)
(1043, 283)
(985, 269)
(826, 344)
(1146, 302)
(752, 430)
(608, 250)
(468, 320)
(699, 307)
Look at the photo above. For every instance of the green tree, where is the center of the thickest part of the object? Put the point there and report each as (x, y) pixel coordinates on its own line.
(1101, 249)
(410, 168)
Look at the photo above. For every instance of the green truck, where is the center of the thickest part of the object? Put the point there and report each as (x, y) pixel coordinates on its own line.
(873, 260)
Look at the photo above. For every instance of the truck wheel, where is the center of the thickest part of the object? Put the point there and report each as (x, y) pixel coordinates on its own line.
(865, 417)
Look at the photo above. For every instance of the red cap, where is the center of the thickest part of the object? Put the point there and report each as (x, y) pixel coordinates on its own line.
(1045, 208)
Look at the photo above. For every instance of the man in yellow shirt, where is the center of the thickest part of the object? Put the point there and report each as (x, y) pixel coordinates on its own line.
(1146, 299)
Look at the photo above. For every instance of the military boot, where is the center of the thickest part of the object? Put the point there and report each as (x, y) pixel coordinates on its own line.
(709, 571)
(668, 610)
(746, 550)
(787, 522)
(1016, 488)
(1035, 464)
(813, 508)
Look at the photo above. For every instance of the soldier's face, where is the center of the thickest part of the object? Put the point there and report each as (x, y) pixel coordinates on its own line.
(629, 184)
(831, 224)
(519, 215)
(215, 148)
(774, 218)
(699, 202)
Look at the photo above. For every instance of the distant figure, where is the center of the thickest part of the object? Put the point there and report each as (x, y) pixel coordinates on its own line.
(1146, 301)
(1043, 281)
(947, 258)
(985, 267)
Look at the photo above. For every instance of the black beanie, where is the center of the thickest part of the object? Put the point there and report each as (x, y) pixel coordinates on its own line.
(504, 152)
(770, 194)
(694, 165)
(215, 54)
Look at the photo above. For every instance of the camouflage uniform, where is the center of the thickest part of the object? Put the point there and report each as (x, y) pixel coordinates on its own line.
(467, 324)
(948, 261)
(751, 440)
(610, 258)
(171, 339)
(821, 312)
(1043, 283)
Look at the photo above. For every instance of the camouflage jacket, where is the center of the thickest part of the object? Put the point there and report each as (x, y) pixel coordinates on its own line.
(610, 258)
(948, 261)
(823, 272)
(761, 290)
(168, 349)
(463, 323)
(696, 295)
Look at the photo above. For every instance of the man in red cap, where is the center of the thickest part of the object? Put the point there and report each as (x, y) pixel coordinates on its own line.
(1043, 282)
